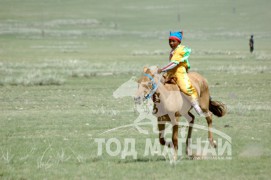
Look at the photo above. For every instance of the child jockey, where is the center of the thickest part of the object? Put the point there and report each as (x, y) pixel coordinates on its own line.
(178, 67)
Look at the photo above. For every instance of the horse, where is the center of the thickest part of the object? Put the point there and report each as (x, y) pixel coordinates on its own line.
(170, 104)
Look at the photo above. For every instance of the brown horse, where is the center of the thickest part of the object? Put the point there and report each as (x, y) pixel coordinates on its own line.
(170, 104)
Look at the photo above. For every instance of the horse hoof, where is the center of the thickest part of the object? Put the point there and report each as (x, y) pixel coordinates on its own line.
(214, 144)
(175, 157)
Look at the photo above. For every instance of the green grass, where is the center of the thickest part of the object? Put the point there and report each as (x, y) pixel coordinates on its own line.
(61, 61)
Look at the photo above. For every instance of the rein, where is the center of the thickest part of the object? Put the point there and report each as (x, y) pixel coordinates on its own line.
(154, 86)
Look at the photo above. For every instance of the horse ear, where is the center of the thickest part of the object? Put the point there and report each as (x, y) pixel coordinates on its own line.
(145, 69)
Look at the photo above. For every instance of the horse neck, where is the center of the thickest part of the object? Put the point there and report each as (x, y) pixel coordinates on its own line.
(162, 90)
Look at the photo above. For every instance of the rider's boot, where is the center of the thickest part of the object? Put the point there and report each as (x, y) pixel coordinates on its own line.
(197, 108)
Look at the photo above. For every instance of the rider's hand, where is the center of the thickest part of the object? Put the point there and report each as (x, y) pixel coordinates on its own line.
(159, 71)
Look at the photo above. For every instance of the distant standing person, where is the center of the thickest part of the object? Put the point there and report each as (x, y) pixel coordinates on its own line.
(251, 44)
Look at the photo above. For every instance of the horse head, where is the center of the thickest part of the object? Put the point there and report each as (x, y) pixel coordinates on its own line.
(147, 84)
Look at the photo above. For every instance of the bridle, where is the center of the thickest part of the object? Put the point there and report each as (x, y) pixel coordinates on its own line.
(153, 88)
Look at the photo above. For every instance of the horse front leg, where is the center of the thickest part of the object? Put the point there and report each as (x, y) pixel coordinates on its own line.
(175, 140)
(173, 146)
(210, 134)
(161, 129)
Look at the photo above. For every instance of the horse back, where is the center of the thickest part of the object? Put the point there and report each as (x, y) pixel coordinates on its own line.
(198, 81)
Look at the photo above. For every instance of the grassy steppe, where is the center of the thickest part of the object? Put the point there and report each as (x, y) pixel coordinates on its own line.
(60, 62)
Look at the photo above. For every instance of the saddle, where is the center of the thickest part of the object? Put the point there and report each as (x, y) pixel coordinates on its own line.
(172, 81)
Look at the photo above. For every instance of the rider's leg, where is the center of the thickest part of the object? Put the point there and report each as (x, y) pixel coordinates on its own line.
(186, 87)
(197, 108)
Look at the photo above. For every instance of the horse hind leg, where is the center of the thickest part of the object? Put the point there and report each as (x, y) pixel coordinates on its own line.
(190, 118)
(210, 133)
(204, 104)
(173, 146)
(209, 119)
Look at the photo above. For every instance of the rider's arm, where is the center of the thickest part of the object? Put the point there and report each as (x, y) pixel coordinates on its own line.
(171, 65)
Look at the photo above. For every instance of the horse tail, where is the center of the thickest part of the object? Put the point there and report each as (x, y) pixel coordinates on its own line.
(217, 108)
